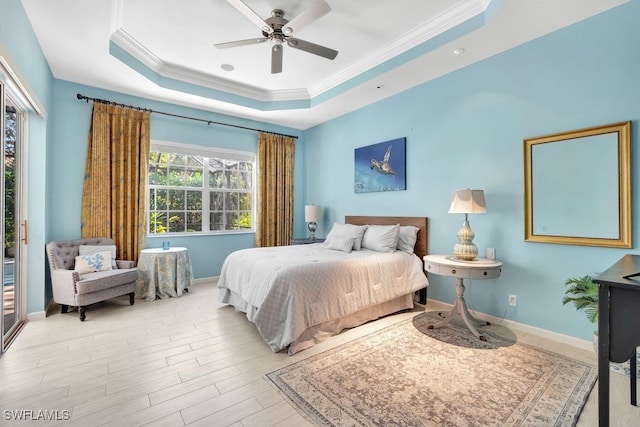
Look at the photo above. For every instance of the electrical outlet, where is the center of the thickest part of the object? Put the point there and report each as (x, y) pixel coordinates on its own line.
(491, 253)
(513, 301)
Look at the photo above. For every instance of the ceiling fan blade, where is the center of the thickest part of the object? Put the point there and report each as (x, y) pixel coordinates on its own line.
(276, 59)
(318, 9)
(240, 43)
(251, 15)
(316, 49)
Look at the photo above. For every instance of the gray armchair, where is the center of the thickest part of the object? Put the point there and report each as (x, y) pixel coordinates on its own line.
(73, 289)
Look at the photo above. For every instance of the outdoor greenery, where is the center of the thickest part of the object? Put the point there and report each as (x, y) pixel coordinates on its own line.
(10, 134)
(177, 190)
(583, 293)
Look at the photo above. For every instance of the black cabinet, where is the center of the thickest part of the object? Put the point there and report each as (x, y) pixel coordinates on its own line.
(618, 320)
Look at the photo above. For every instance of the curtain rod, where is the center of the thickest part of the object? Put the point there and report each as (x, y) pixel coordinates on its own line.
(208, 122)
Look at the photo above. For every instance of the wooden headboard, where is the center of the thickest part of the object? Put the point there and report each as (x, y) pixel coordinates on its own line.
(421, 222)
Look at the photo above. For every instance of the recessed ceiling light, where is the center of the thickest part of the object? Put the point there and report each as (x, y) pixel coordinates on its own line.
(458, 51)
(227, 67)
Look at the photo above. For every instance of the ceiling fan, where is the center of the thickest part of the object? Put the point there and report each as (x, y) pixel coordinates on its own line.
(279, 30)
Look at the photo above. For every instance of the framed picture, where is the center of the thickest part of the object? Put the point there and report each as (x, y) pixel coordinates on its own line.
(578, 187)
(381, 167)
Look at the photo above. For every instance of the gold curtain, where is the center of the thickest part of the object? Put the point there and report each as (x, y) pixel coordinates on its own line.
(114, 195)
(276, 157)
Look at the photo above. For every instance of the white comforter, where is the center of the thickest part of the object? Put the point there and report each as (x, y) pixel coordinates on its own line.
(285, 290)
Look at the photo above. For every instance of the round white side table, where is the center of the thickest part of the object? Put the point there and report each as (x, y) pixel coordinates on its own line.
(479, 268)
(163, 273)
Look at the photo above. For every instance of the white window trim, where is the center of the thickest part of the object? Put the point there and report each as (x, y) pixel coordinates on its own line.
(201, 150)
(23, 96)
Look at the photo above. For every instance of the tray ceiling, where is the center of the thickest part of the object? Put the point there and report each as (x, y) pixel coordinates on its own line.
(163, 50)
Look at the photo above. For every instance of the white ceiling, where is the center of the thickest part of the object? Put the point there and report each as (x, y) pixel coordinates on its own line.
(163, 49)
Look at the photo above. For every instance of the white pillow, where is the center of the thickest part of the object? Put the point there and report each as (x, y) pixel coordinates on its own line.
(407, 238)
(348, 230)
(381, 238)
(94, 249)
(341, 243)
(100, 261)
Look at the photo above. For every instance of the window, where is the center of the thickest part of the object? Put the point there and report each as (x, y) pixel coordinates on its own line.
(195, 189)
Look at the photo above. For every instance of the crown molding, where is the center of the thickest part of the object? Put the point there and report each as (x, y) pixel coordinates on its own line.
(457, 14)
(450, 18)
(177, 72)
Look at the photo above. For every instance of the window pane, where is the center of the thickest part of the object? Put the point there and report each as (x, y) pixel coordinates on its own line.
(193, 178)
(162, 159)
(195, 161)
(245, 202)
(177, 223)
(176, 199)
(244, 181)
(161, 200)
(157, 175)
(216, 201)
(233, 180)
(217, 179)
(152, 199)
(176, 177)
(245, 222)
(194, 200)
(216, 221)
(178, 159)
(228, 178)
(216, 163)
(157, 222)
(233, 220)
(194, 221)
(231, 201)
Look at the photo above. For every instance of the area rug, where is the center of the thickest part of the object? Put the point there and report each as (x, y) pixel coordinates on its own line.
(408, 375)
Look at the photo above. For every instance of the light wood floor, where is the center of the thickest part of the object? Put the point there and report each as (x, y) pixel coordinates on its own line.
(181, 361)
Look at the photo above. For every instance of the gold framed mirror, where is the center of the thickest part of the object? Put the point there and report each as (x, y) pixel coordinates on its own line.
(578, 187)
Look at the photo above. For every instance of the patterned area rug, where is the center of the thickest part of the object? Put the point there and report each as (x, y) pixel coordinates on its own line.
(408, 375)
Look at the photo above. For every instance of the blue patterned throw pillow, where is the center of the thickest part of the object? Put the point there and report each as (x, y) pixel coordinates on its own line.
(100, 261)
(94, 249)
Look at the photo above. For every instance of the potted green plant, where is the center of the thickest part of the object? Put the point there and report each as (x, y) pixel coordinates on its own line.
(583, 293)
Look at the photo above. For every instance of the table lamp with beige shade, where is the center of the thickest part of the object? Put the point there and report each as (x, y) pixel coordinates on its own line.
(312, 215)
(467, 202)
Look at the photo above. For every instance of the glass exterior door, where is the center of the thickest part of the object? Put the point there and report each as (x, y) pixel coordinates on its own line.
(11, 295)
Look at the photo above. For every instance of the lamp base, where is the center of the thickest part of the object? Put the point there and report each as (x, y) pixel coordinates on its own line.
(312, 230)
(465, 249)
(465, 252)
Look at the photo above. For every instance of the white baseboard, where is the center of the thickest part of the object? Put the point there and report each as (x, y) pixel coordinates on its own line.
(37, 315)
(516, 326)
(206, 280)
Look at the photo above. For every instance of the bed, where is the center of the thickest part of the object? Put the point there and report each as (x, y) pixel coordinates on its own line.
(300, 295)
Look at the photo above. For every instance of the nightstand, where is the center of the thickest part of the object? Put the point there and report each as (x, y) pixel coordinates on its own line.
(305, 241)
(479, 268)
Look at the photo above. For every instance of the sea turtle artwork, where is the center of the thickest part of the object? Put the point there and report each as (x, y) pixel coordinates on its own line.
(383, 166)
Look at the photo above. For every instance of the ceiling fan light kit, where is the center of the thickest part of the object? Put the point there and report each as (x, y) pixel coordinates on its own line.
(279, 30)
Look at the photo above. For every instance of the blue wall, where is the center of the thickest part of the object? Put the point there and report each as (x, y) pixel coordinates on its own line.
(69, 150)
(466, 129)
